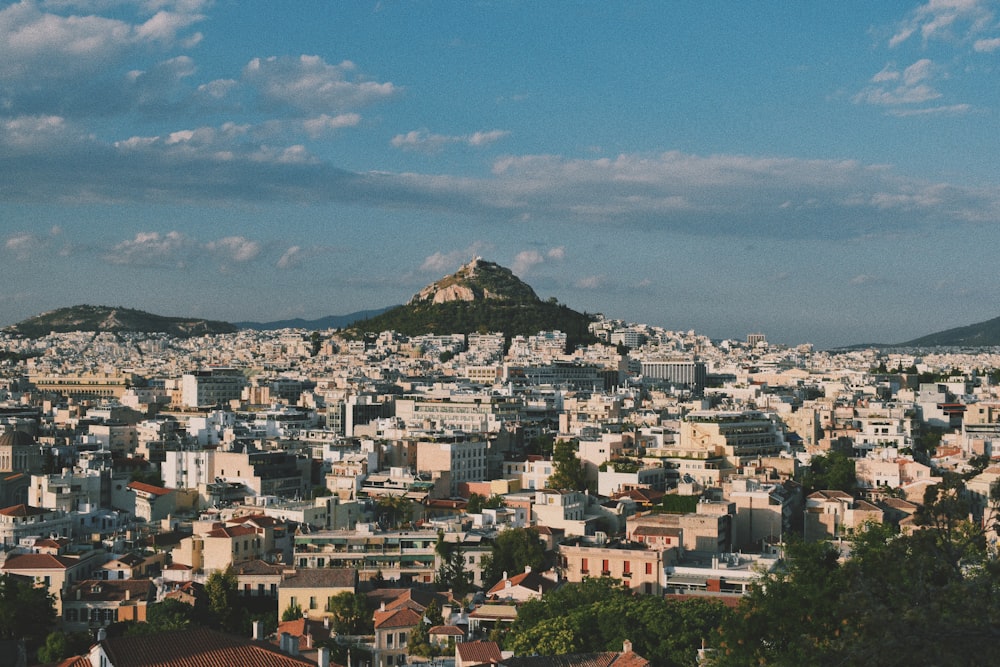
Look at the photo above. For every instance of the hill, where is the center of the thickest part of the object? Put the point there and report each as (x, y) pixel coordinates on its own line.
(983, 334)
(328, 322)
(116, 320)
(480, 296)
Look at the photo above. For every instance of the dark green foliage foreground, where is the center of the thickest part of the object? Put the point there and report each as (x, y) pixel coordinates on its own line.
(931, 598)
(599, 615)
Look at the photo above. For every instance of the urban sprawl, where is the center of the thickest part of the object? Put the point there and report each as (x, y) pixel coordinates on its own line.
(309, 469)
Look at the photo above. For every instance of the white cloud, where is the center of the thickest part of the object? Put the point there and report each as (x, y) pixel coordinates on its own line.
(23, 245)
(427, 142)
(152, 249)
(558, 253)
(950, 20)
(37, 45)
(590, 282)
(234, 248)
(324, 124)
(987, 45)
(912, 86)
(525, 260)
(289, 258)
(486, 138)
(448, 262)
(311, 85)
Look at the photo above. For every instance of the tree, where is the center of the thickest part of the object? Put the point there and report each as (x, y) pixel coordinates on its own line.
(392, 509)
(930, 597)
(599, 614)
(452, 574)
(834, 470)
(478, 502)
(221, 588)
(512, 551)
(293, 612)
(350, 613)
(568, 471)
(60, 645)
(168, 615)
(26, 612)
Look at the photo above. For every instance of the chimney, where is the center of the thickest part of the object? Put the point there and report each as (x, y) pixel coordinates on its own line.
(381, 607)
(102, 634)
(505, 574)
(626, 646)
(326, 622)
(258, 630)
(323, 657)
(527, 569)
(284, 644)
(309, 640)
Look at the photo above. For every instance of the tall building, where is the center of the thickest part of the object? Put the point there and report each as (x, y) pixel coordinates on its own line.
(210, 388)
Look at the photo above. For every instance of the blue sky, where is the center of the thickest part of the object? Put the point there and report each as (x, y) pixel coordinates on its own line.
(819, 172)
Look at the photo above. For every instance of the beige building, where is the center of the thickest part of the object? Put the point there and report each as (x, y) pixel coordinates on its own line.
(833, 514)
(311, 590)
(458, 458)
(219, 547)
(639, 569)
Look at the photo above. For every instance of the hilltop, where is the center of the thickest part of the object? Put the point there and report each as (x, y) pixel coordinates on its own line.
(115, 320)
(982, 334)
(480, 296)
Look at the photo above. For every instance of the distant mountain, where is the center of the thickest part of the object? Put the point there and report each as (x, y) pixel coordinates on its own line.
(983, 334)
(480, 296)
(328, 322)
(116, 320)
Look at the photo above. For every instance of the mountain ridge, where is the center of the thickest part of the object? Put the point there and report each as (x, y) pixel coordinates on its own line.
(114, 319)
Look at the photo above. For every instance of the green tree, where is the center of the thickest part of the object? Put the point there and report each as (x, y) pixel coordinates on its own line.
(568, 472)
(168, 615)
(452, 574)
(512, 551)
(292, 612)
(599, 614)
(930, 597)
(221, 588)
(60, 645)
(350, 613)
(393, 510)
(26, 612)
(834, 470)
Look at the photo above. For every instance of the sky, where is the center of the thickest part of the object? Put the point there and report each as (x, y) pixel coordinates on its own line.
(820, 172)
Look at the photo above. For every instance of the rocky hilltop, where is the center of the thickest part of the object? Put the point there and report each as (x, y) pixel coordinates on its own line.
(480, 296)
(476, 281)
(114, 320)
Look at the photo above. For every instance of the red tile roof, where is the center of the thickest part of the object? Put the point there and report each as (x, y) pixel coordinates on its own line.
(149, 488)
(22, 510)
(37, 562)
(199, 647)
(400, 618)
(479, 653)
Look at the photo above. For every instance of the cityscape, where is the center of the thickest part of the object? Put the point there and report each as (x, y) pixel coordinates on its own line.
(499, 333)
(345, 496)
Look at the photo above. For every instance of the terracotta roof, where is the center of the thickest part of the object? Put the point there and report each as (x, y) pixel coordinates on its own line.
(605, 659)
(231, 531)
(37, 562)
(113, 590)
(529, 580)
(328, 577)
(447, 631)
(22, 510)
(199, 647)
(395, 598)
(149, 488)
(399, 618)
(258, 567)
(478, 653)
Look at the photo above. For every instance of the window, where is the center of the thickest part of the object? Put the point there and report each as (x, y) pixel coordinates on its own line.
(584, 568)
(649, 568)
